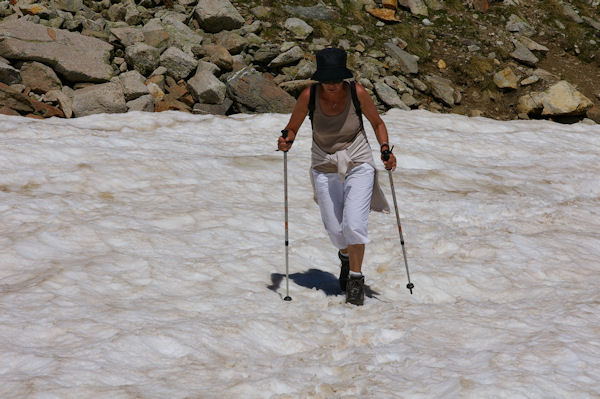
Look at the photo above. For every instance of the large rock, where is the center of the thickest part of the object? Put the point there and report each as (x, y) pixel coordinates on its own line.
(408, 62)
(178, 63)
(181, 35)
(215, 54)
(155, 35)
(253, 92)
(213, 109)
(142, 57)
(389, 96)
(143, 103)
(523, 54)
(206, 88)
(8, 74)
(233, 42)
(76, 57)
(133, 85)
(417, 7)
(506, 79)
(15, 100)
(103, 98)
(561, 99)
(291, 56)
(300, 29)
(441, 89)
(518, 24)
(127, 35)
(39, 78)
(217, 15)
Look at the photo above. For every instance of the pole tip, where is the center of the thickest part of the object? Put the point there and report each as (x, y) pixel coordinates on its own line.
(410, 287)
(287, 298)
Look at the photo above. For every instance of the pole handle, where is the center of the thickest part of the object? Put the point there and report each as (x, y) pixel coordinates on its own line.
(385, 154)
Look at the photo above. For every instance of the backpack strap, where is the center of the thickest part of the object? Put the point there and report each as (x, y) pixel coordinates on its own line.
(355, 101)
(311, 101)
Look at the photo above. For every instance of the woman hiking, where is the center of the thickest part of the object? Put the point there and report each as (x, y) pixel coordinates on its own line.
(342, 167)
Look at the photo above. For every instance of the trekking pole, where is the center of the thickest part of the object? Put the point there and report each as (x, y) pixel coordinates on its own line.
(284, 134)
(386, 156)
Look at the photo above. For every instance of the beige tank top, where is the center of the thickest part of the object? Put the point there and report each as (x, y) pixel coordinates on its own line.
(337, 132)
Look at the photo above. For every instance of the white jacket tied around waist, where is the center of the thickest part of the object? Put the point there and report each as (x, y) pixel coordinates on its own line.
(357, 153)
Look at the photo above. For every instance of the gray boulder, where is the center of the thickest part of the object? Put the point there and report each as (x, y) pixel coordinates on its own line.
(300, 29)
(389, 96)
(408, 62)
(39, 78)
(417, 7)
(441, 89)
(233, 42)
(206, 88)
(217, 15)
(76, 57)
(253, 93)
(518, 24)
(561, 99)
(213, 109)
(143, 103)
(178, 63)
(181, 35)
(142, 57)
(133, 85)
(523, 54)
(291, 56)
(266, 53)
(155, 35)
(127, 35)
(97, 99)
(8, 74)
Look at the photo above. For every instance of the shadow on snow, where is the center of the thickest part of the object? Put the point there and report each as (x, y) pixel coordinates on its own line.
(315, 278)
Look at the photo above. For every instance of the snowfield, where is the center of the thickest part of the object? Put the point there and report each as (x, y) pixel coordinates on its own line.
(142, 256)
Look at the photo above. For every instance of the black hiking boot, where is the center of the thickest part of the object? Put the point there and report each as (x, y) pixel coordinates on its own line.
(355, 290)
(344, 270)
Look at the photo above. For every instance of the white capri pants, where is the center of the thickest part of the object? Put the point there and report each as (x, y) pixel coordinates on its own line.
(345, 205)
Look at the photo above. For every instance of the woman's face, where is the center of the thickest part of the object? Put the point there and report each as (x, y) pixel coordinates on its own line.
(333, 87)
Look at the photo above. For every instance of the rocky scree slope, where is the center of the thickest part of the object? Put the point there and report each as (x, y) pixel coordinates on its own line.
(500, 59)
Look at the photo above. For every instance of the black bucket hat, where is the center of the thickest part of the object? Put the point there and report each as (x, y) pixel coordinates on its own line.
(331, 66)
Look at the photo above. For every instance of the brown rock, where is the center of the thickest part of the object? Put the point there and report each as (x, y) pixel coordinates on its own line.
(391, 4)
(481, 5)
(384, 14)
(4, 110)
(46, 110)
(39, 78)
(594, 114)
(34, 116)
(14, 100)
(168, 104)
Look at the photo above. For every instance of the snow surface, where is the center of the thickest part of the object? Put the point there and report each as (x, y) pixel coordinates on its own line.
(142, 256)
